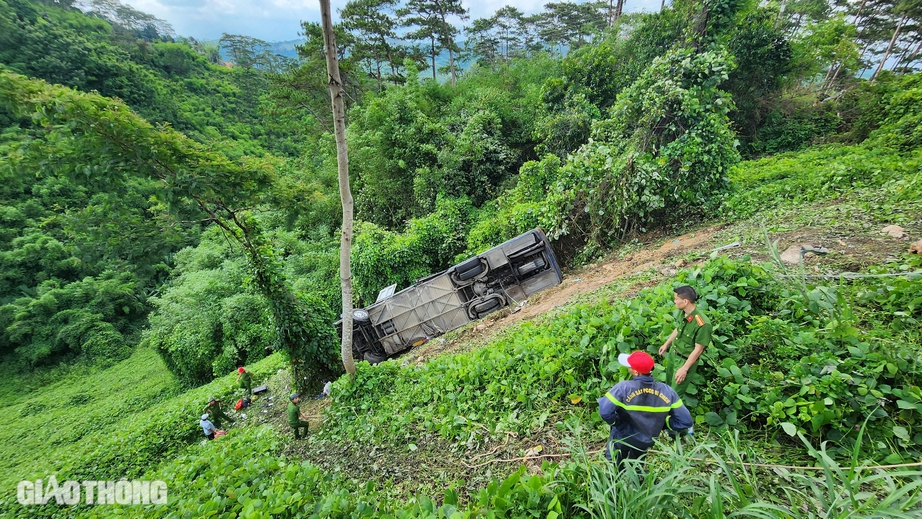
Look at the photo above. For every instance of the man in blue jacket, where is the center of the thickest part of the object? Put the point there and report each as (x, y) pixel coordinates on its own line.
(639, 409)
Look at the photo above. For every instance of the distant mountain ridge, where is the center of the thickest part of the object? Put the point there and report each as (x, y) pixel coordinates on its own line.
(284, 48)
(287, 49)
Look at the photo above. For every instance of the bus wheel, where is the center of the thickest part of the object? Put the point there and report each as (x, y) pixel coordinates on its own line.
(374, 359)
(469, 269)
(480, 309)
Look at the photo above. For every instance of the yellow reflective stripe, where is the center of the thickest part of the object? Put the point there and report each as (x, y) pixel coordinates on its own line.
(648, 409)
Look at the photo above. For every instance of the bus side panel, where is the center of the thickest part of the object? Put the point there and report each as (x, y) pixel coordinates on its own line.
(418, 312)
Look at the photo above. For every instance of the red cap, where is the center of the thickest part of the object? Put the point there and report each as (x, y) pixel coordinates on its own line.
(240, 369)
(639, 360)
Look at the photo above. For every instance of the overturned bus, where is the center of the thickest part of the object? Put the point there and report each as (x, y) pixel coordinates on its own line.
(450, 299)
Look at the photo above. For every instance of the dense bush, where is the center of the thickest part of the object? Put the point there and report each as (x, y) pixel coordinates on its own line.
(96, 319)
(791, 127)
(901, 124)
(664, 152)
(409, 146)
(887, 108)
(520, 208)
(205, 323)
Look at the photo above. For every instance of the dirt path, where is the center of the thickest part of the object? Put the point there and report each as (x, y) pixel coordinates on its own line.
(576, 283)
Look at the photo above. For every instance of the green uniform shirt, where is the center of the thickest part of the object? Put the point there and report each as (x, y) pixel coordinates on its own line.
(294, 414)
(694, 328)
(245, 380)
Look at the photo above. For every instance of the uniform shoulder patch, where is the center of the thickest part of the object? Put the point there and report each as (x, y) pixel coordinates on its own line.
(699, 320)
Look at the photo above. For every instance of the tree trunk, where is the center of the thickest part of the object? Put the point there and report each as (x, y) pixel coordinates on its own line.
(378, 67)
(902, 57)
(451, 61)
(345, 193)
(390, 59)
(914, 54)
(784, 4)
(858, 13)
(896, 34)
(432, 47)
(832, 81)
(451, 54)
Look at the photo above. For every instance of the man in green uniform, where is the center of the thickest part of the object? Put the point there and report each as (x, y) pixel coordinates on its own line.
(296, 418)
(245, 380)
(689, 339)
(217, 414)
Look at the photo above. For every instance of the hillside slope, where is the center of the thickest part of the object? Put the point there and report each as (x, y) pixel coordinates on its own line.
(471, 408)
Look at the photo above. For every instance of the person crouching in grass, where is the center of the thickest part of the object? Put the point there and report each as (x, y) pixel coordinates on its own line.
(639, 409)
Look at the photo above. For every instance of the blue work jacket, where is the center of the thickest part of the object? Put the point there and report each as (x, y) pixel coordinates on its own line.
(638, 409)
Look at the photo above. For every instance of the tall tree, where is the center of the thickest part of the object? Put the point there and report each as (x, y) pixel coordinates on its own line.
(430, 17)
(304, 88)
(244, 51)
(508, 20)
(375, 31)
(142, 24)
(345, 193)
(482, 41)
(570, 24)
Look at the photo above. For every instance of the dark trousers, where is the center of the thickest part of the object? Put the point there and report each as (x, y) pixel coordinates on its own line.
(619, 450)
(218, 417)
(626, 452)
(297, 428)
(210, 435)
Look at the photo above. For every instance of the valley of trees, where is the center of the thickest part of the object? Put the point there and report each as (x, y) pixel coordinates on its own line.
(170, 210)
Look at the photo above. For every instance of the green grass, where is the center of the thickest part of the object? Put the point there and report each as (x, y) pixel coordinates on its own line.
(881, 183)
(76, 412)
(107, 423)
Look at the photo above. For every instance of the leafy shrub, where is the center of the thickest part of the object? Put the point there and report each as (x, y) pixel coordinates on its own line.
(896, 302)
(901, 126)
(793, 129)
(665, 150)
(206, 322)
(429, 245)
(519, 209)
(885, 108)
(396, 134)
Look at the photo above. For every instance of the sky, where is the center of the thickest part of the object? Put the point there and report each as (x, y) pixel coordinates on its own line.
(280, 20)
